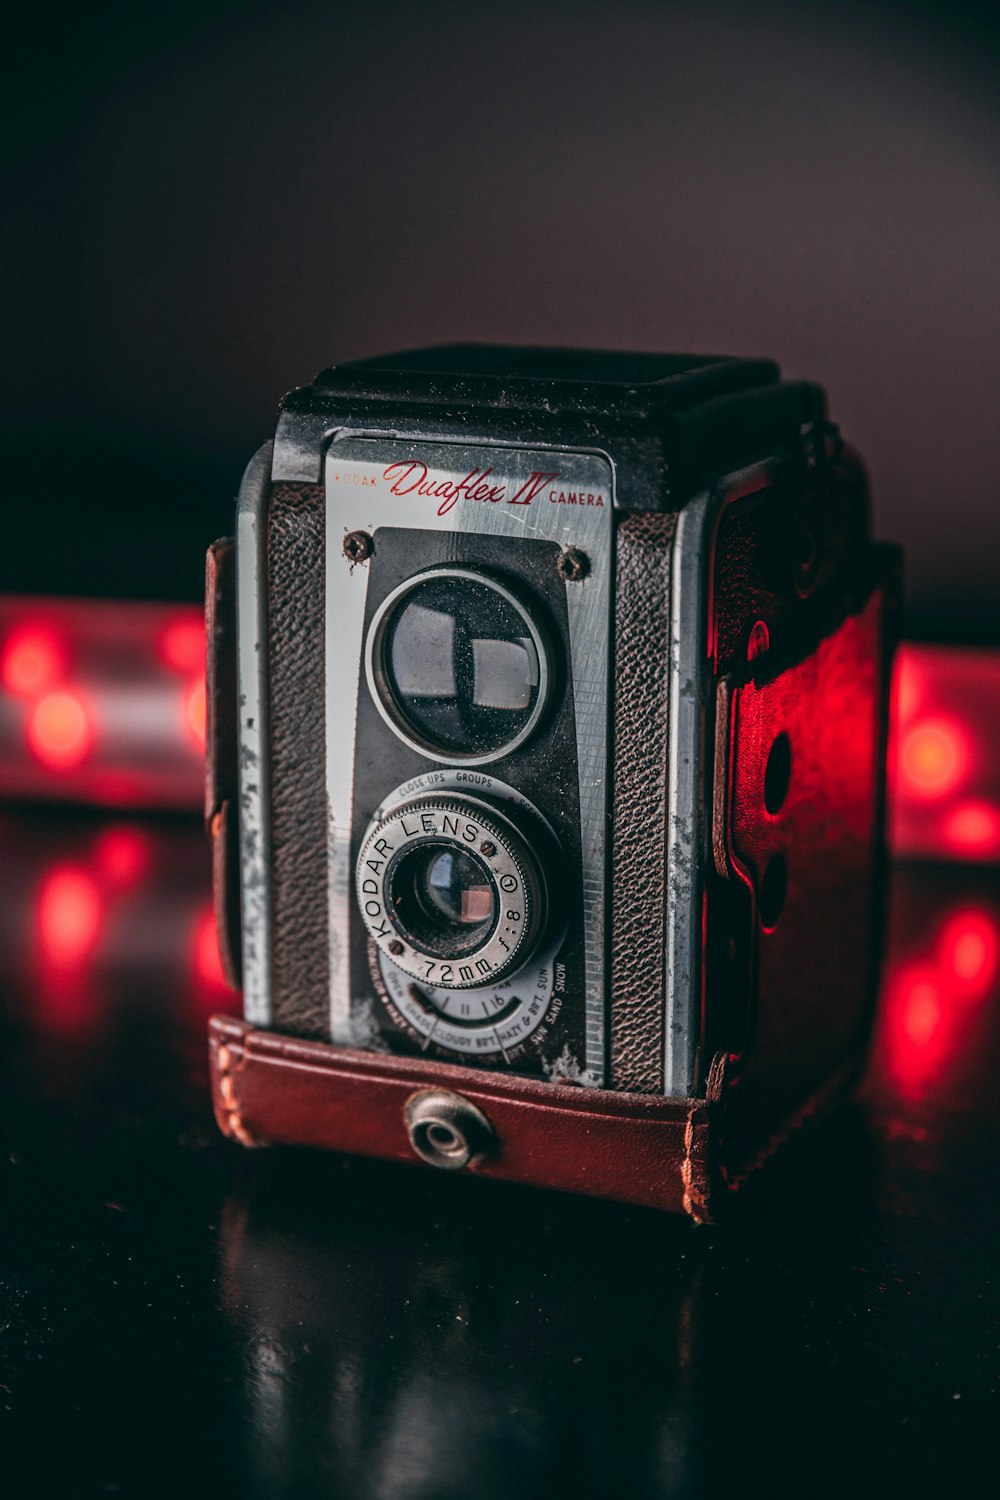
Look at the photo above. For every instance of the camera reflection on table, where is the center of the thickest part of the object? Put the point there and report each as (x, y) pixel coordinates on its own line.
(404, 1333)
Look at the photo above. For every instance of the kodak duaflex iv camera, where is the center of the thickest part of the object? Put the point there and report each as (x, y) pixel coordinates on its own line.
(547, 738)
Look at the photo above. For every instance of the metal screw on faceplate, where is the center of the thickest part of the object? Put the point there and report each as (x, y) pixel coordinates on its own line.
(396, 947)
(358, 546)
(573, 565)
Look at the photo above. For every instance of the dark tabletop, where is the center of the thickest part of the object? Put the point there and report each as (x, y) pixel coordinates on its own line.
(182, 1317)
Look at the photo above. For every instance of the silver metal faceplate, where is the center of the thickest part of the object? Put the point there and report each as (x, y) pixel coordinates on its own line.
(298, 457)
(687, 795)
(254, 751)
(518, 494)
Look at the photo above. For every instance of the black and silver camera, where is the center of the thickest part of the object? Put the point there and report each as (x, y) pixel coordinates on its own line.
(548, 714)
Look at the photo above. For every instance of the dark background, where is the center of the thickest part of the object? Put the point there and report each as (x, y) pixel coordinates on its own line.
(206, 206)
(199, 210)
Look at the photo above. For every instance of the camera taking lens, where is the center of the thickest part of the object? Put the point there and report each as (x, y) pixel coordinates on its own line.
(452, 891)
(443, 898)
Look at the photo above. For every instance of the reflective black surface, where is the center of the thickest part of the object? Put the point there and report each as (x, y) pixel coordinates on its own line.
(443, 899)
(184, 1317)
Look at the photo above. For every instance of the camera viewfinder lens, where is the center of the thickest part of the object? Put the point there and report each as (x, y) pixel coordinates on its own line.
(457, 666)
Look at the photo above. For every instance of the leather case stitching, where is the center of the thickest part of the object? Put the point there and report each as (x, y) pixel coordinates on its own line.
(229, 1063)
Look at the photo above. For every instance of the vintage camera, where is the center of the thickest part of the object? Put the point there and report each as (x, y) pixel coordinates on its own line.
(547, 720)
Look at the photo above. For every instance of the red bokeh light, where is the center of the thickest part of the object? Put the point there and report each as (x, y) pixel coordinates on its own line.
(195, 712)
(122, 855)
(970, 950)
(205, 959)
(98, 704)
(917, 1027)
(60, 733)
(933, 757)
(944, 769)
(909, 688)
(68, 916)
(181, 644)
(33, 660)
(922, 1010)
(930, 1003)
(973, 829)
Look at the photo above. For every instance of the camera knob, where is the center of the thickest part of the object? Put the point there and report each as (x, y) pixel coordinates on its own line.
(451, 891)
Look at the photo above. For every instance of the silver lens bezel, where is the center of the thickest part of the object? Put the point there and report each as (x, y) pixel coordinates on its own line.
(478, 936)
(514, 870)
(384, 698)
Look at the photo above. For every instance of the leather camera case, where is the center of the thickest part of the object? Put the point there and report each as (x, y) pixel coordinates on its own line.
(799, 643)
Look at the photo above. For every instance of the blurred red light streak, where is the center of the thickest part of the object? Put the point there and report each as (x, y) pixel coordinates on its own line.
(68, 916)
(921, 1015)
(918, 1028)
(33, 660)
(195, 713)
(59, 730)
(909, 688)
(123, 854)
(181, 644)
(970, 950)
(929, 1003)
(205, 960)
(973, 829)
(85, 913)
(934, 757)
(99, 703)
(944, 767)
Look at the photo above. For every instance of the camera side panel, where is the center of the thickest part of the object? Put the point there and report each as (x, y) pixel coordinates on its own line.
(644, 551)
(296, 596)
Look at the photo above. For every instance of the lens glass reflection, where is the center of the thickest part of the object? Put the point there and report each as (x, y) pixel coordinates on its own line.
(456, 889)
(442, 899)
(459, 666)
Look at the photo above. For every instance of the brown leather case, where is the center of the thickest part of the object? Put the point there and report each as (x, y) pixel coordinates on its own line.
(636, 1148)
(271, 1089)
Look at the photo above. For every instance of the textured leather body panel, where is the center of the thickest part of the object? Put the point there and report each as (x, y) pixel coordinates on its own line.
(814, 865)
(299, 818)
(639, 799)
(756, 549)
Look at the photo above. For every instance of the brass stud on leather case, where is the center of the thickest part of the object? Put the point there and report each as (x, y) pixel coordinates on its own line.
(446, 1130)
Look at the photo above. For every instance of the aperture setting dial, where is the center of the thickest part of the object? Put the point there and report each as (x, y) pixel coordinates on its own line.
(451, 891)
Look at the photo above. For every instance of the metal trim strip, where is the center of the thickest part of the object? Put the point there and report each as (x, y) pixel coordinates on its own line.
(252, 676)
